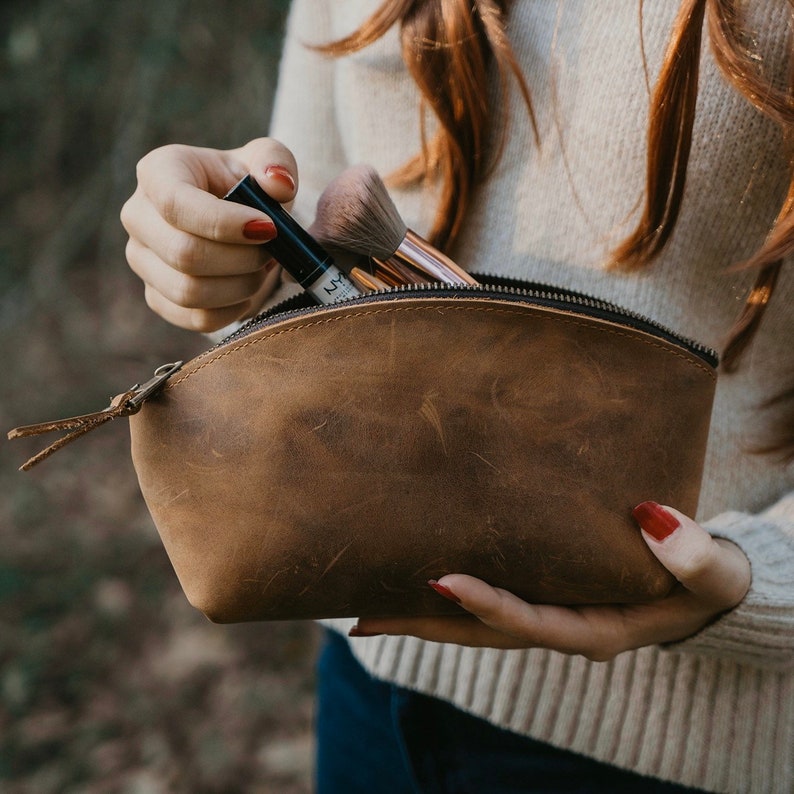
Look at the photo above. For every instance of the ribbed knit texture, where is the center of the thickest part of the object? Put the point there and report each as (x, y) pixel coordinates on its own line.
(717, 710)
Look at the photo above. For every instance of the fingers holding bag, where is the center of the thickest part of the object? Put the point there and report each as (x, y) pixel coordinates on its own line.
(713, 575)
(713, 569)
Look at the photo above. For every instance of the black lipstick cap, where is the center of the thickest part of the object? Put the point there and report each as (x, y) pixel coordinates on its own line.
(294, 248)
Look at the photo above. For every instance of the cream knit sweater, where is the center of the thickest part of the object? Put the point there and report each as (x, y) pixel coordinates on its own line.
(716, 711)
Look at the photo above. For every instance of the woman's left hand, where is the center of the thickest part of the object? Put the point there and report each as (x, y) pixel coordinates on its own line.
(713, 576)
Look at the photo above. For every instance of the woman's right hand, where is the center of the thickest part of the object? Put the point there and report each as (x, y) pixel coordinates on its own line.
(200, 257)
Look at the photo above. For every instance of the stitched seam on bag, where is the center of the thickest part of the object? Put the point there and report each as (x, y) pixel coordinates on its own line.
(434, 308)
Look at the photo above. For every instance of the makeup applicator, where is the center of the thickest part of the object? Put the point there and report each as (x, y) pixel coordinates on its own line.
(356, 213)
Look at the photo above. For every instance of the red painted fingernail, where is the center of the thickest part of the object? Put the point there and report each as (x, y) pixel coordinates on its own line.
(443, 590)
(280, 174)
(357, 632)
(263, 230)
(655, 520)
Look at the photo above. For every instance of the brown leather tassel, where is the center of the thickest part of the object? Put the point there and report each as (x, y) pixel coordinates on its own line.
(125, 404)
(79, 425)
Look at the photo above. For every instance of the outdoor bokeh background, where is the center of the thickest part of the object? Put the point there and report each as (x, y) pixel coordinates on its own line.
(109, 680)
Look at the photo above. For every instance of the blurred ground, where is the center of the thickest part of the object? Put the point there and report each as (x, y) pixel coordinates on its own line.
(109, 680)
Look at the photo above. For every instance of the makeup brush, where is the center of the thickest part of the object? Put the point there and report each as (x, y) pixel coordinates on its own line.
(367, 282)
(356, 212)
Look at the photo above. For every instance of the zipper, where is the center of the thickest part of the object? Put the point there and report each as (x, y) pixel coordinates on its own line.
(501, 287)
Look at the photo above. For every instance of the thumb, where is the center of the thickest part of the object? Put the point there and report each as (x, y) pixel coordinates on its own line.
(273, 166)
(713, 569)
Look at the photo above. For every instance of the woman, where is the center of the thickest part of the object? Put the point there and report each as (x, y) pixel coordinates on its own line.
(594, 187)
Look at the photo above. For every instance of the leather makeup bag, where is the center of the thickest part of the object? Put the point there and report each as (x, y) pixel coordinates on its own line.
(327, 461)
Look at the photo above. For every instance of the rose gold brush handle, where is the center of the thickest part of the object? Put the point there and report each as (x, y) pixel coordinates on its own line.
(367, 281)
(426, 261)
(396, 271)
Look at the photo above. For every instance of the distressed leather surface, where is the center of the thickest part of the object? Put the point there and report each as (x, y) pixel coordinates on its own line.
(330, 465)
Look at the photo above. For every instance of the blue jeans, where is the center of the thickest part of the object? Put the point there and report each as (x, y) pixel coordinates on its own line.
(377, 738)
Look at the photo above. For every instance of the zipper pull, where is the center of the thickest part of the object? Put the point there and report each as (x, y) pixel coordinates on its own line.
(143, 392)
(124, 404)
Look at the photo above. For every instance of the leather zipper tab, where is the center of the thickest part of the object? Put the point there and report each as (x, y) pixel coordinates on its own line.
(124, 404)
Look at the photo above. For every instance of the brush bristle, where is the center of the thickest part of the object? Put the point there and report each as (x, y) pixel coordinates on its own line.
(355, 212)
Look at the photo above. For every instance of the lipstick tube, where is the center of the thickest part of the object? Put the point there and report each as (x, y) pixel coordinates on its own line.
(294, 248)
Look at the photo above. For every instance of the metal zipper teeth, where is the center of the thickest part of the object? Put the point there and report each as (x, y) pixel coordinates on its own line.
(493, 286)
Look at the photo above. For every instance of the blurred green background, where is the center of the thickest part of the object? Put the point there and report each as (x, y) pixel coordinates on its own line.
(109, 680)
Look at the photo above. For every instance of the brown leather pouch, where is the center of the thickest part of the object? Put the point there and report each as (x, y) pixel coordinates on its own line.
(328, 461)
